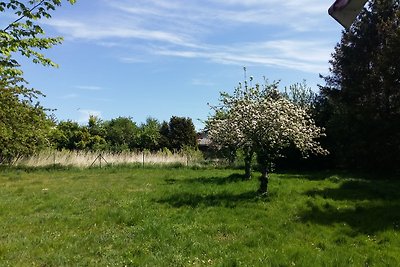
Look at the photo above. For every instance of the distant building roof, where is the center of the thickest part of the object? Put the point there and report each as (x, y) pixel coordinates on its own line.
(202, 139)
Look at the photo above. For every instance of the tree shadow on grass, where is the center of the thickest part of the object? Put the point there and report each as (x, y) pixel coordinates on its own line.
(224, 199)
(372, 206)
(307, 175)
(334, 175)
(363, 219)
(233, 178)
(360, 190)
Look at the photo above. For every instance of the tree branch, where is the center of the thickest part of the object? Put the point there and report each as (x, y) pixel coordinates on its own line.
(23, 16)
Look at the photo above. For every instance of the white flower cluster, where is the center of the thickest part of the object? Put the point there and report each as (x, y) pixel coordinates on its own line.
(265, 120)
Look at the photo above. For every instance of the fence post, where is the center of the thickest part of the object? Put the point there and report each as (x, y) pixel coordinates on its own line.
(100, 158)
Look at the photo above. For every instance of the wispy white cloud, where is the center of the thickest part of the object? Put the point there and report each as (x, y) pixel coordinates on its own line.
(300, 55)
(99, 32)
(212, 13)
(133, 59)
(195, 29)
(180, 22)
(69, 96)
(89, 87)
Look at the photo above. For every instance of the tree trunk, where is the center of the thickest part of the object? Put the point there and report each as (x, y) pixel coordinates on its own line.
(262, 159)
(231, 156)
(264, 180)
(248, 158)
(247, 170)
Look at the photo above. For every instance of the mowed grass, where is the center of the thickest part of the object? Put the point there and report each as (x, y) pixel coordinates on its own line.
(125, 216)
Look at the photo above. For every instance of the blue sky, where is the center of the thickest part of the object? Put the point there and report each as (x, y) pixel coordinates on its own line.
(161, 58)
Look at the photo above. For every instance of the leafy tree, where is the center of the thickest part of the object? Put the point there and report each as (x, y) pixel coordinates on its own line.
(301, 94)
(122, 134)
(181, 133)
(150, 134)
(23, 126)
(164, 135)
(96, 143)
(266, 122)
(96, 126)
(71, 136)
(97, 133)
(23, 121)
(24, 36)
(362, 93)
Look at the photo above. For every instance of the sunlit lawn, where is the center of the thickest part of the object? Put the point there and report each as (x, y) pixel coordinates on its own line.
(206, 217)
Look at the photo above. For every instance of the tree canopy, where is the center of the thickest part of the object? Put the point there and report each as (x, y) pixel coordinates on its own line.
(23, 122)
(362, 92)
(181, 133)
(23, 127)
(260, 119)
(123, 134)
(24, 36)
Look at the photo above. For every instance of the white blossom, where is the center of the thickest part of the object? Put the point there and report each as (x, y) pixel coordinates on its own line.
(265, 120)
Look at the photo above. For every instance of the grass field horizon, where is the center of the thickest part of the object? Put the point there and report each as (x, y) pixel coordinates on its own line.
(131, 216)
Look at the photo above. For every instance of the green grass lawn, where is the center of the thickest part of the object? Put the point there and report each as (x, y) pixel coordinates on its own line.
(186, 217)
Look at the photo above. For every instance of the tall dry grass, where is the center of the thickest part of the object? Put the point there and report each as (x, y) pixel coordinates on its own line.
(87, 159)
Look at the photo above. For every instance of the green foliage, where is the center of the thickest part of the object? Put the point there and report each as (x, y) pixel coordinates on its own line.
(24, 127)
(301, 94)
(122, 134)
(26, 37)
(23, 123)
(192, 154)
(178, 217)
(164, 135)
(97, 133)
(181, 133)
(69, 135)
(362, 94)
(150, 135)
(96, 126)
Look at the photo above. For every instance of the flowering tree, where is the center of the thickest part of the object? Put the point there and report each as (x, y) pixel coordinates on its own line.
(224, 135)
(229, 130)
(263, 121)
